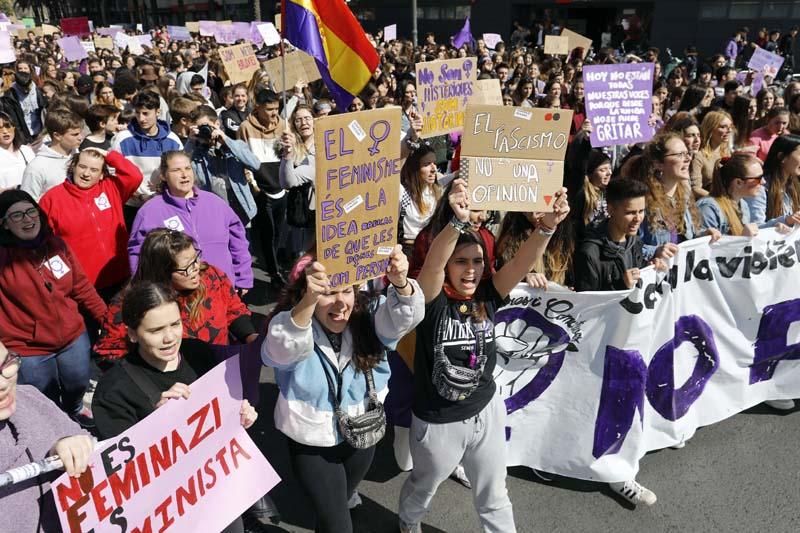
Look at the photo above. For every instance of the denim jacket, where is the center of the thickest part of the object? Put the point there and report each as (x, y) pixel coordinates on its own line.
(652, 238)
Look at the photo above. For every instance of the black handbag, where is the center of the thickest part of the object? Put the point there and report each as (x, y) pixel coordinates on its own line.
(298, 210)
(362, 431)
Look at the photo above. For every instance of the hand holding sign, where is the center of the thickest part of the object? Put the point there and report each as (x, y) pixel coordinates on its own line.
(397, 271)
(560, 210)
(459, 200)
(178, 390)
(74, 453)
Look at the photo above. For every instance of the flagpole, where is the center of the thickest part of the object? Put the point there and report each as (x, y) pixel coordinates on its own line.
(414, 21)
(283, 57)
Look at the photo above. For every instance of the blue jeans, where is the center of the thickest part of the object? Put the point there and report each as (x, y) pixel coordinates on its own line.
(62, 376)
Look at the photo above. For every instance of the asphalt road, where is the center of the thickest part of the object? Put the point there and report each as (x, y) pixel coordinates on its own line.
(742, 474)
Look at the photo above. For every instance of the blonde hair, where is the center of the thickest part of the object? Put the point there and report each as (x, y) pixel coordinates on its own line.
(727, 170)
(711, 121)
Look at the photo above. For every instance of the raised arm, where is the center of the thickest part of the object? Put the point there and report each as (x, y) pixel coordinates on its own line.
(533, 248)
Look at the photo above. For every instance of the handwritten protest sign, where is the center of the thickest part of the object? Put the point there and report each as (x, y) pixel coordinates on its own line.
(146, 40)
(242, 30)
(444, 89)
(75, 26)
(109, 32)
(556, 45)
(47, 29)
(491, 40)
(179, 33)
(207, 28)
(240, 62)
(299, 66)
(767, 63)
(193, 27)
(358, 193)
(72, 48)
(390, 33)
(487, 92)
(619, 103)
(88, 46)
(576, 40)
(190, 466)
(513, 157)
(225, 33)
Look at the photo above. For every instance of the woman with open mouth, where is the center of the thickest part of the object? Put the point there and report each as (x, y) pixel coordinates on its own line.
(42, 285)
(159, 367)
(211, 310)
(327, 345)
(458, 418)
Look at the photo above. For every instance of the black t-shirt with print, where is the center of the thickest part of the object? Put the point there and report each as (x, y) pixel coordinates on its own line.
(457, 337)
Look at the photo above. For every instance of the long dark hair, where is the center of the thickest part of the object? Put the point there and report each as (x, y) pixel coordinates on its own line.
(368, 351)
(409, 177)
(741, 122)
(19, 138)
(692, 98)
(142, 297)
(157, 263)
(778, 183)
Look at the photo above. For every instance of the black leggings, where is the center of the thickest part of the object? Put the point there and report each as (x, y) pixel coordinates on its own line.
(329, 476)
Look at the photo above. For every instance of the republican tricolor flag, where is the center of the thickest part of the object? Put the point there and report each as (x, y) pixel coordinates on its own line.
(329, 32)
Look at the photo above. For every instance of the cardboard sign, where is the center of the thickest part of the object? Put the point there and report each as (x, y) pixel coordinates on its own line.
(78, 26)
(491, 40)
(72, 48)
(104, 42)
(767, 63)
(576, 40)
(193, 27)
(555, 45)
(269, 33)
(88, 46)
(134, 44)
(444, 88)
(358, 193)
(513, 157)
(390, 33)
(299, 66)
(512, 184)
(190, 466)
(47, 29)
(619, 103)
(240, 62)
(487, 92)
(179, 33)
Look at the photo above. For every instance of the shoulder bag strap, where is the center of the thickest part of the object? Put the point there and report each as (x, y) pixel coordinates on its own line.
(336, 395)
(144, 383)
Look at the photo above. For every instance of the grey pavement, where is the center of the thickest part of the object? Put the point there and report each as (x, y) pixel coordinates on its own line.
(741, 475)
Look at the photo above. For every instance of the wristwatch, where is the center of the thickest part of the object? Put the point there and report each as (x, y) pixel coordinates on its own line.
(459, 226)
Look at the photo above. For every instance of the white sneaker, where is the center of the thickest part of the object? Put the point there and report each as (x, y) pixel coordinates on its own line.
(461, 476)
(354, 501)
(781, 405)
(634, 492)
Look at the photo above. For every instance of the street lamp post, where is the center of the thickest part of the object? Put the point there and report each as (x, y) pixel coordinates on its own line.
(414, 21)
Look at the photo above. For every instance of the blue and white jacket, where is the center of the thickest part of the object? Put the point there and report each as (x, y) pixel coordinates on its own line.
(145, 152)
(304, 410)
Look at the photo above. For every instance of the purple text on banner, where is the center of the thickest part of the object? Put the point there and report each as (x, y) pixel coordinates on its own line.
(190, 466)
(765, 62)
(619, 103)
(72, 47)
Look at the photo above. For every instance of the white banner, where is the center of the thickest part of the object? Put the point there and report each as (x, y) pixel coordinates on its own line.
(593, 381)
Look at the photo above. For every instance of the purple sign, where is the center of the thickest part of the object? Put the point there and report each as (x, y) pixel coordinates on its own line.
(765, 62)
(225, 34)
(619, 103)
(72, 48)
(242, 30)
(207, 28)
(179, 33)
(109, 32)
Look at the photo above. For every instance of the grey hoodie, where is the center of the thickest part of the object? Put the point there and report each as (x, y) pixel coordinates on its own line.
(48, 169)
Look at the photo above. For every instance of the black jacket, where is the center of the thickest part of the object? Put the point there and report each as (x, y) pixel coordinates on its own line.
(600, 264)
(9, 103)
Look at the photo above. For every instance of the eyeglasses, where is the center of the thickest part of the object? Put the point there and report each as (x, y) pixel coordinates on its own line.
(303, 119)
(11, 365)
(754, 178)
(32, 213)
(6, 127)
(191, 267)
(684, 155)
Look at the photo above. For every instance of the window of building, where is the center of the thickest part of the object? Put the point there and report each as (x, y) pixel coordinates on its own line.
(744, 10)
(796, 10)
(776, 10)
(713, 10)
(462, 12)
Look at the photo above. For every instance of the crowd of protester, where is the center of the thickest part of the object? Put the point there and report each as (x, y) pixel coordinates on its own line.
(138, 191)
